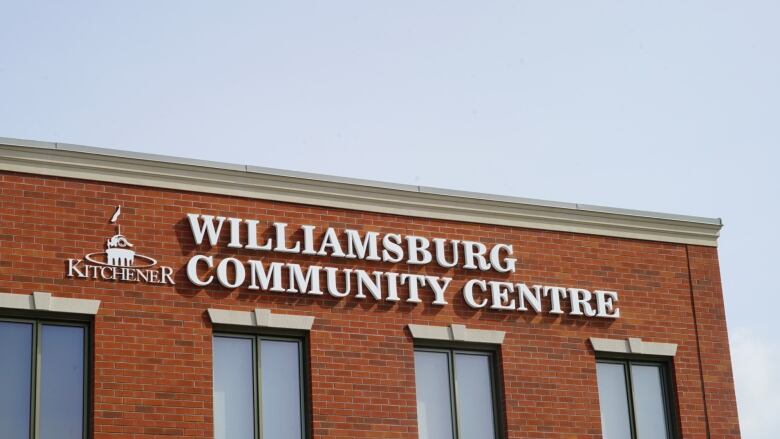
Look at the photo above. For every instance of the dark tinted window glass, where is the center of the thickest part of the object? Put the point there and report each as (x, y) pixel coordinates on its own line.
(455, 394)
(62, 382)
(280, 367)
(233, 388)
(434, 404)
(258, 388)
(651, 422)
(15, 379)
(633, 396)
(613, 398)
(475, 396)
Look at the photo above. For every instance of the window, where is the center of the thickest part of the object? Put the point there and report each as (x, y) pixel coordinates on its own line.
(43, 377)
(258, 387)
(634, 398)
(456, 394)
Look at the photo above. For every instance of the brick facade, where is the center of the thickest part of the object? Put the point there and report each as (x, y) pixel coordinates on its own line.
(152, 366)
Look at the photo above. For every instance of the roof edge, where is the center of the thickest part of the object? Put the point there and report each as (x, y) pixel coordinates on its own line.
(153, 170)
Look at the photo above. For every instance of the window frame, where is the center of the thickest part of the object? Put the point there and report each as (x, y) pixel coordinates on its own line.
(496, 386)
(37, 323)
(257, 382)
(668, 392)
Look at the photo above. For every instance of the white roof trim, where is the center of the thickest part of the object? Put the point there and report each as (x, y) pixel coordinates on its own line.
(261, 318)
(39, 301)
(113, 166)
(456, 333)
(633, 346)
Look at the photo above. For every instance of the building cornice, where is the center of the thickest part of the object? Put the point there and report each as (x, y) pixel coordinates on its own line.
(107, 165)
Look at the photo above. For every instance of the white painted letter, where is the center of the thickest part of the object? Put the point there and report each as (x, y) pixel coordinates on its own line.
(496, 261)
(392, 287)
(472, 251)
(391, 242)
(308, 240)
(500, 294)
(416, 282)
(605, 304)
(257, 273)
(438, 289)
(365, 249)
(535, 299)
(374, 287)
(222, 275)
(281, 240)
(199, 231)
(556, 294)
(235, 231)
(468, 293)
(331, 241)
(581, 299)
(418, 246)
(300, 283)
(333, 289)
(192, 270)
(438, 244)
(251, 237)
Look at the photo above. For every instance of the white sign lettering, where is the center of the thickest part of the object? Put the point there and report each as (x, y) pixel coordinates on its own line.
(119, 262)
(256, 274)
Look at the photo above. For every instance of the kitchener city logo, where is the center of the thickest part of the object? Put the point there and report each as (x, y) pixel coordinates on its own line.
(119, 262)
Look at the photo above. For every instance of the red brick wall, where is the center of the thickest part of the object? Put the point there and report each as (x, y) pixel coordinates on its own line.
(713, 342)
(152, 344)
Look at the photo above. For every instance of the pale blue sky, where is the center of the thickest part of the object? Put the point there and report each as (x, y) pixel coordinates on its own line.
(671, 106)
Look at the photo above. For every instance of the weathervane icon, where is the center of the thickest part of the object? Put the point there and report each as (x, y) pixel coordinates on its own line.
(118, 250)
(115, 216)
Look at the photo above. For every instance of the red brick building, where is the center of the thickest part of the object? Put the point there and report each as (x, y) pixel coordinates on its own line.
(230, 301)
